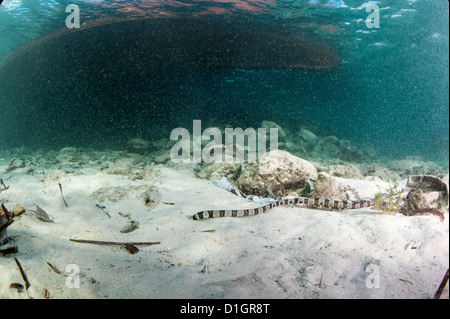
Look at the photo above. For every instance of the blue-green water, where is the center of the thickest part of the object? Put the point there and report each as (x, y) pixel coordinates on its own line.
(390, 92)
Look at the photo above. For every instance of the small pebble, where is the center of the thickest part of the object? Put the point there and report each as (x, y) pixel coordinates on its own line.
(205, 269)
(131, 226)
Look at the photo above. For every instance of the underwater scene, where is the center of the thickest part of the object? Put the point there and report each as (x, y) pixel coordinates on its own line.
(224, 149)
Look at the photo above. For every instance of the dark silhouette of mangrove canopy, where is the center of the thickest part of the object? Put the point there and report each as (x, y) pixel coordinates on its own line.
(123, 77)
(178, 43)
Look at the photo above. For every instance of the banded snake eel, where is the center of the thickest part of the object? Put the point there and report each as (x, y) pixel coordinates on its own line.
(310, 202)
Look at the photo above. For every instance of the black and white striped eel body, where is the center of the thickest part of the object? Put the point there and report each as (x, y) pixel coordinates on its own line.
(310, 202)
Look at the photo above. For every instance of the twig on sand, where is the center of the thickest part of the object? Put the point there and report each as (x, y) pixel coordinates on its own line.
(59, 272)
(60, 189)
(56, 270)
(438, 293)
(320, 282)
(85, 241)
(22, 273)
(129, 247)
(4, 186)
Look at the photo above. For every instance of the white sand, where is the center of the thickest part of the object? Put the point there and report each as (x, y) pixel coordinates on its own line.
(289, 252)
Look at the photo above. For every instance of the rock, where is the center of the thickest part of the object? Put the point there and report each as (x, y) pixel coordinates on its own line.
(14, 164)
(138, 146)
(351, 154)
(345, 143)
(161, 157)
(162, 144)
(368, 170)
(345, 171)
(278, 171)
(66, 155)
(435, 191)
(216, 171)
(445, 179)
(71, 151)
(291, 147)
(151, 197)
(111, 194)
(327, 187)
(28, 170)
(403, 167)
(416, 200)
(308, 137)
(369, 152)
(430, 168)
(327, 149)
(378, 171)
(131, 226)
(150, 173)
(414, 165)
(427, 183)
(64, 159)
(5, 217)
(58, 176)
(392, 176)
(83, 159)
(282, 136)
(332, 140)
(121, 166)
(149, 194)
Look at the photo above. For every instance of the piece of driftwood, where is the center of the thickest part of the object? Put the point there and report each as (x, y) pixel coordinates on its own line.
(56, 270)
(59, 272)
(6, 219)
(18, 211)
(438, 293)
(16, 285)
(97, 242)
(62, 196)
(8, 251)
(5, 212)
(22, 273)
(5, 225)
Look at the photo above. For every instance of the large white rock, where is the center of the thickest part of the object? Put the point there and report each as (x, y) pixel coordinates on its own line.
(328, 187)
(278, 171)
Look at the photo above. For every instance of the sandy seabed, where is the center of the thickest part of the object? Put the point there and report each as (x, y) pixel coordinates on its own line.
(288, 252)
